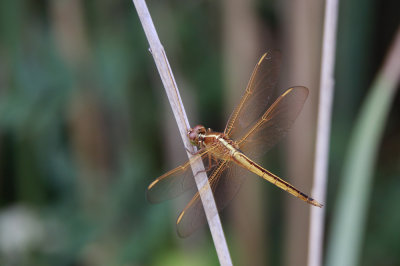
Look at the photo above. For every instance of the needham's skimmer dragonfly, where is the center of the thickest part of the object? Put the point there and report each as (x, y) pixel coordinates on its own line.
(257, 123)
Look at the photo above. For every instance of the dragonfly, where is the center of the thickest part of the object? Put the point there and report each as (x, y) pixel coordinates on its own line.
(259, 121)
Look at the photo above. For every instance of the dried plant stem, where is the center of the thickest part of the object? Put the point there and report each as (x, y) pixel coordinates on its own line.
(171, 88)
(315, 247)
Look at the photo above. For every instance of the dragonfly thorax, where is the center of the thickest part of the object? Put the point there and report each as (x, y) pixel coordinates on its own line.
(202, 138)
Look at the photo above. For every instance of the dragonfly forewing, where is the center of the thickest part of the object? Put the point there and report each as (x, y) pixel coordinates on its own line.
(260, 93)
(176, 181)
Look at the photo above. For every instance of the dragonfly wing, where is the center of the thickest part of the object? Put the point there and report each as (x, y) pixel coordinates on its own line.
(225, 182)
(177, 181)
(274, 123)
(259, 95)
(193, 215)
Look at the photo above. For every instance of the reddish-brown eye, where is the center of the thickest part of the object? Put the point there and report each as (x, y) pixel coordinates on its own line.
(192, 134)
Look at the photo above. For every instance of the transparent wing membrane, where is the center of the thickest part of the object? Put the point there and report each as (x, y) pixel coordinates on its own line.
(225, 183)
(259, 95)
(175, 182)
(260, 120)
(274, 123)
(193, 215)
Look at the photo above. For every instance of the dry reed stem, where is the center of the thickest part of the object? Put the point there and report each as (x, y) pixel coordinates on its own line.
(315, 247)
(171, 89)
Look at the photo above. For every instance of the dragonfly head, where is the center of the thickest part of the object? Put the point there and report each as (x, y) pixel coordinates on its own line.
(195, 135)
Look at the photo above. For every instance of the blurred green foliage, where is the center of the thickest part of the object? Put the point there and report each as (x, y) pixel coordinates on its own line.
(93, 211)
(81, 134)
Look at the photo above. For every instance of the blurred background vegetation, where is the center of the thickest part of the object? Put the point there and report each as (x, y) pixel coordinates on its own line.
(85, 127)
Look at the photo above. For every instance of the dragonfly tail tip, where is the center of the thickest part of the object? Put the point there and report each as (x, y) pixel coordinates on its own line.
(316, 203)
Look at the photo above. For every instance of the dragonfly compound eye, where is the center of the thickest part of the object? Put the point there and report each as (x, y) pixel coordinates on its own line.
(192, 135)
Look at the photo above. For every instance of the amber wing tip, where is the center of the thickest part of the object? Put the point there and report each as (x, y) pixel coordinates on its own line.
(180, 217)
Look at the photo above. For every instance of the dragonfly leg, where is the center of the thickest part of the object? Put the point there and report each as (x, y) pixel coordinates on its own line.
(211, 163)
(194, 153)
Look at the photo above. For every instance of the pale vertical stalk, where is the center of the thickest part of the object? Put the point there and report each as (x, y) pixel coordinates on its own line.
(170, 86)
(315, 245)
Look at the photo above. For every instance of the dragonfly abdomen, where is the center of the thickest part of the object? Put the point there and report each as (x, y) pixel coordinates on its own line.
(250, 165)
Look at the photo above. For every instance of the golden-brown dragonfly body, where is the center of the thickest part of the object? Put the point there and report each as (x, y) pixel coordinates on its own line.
(224, 148)
(260, 120)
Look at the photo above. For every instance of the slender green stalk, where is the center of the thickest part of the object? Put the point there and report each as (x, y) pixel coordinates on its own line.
(353, 198)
